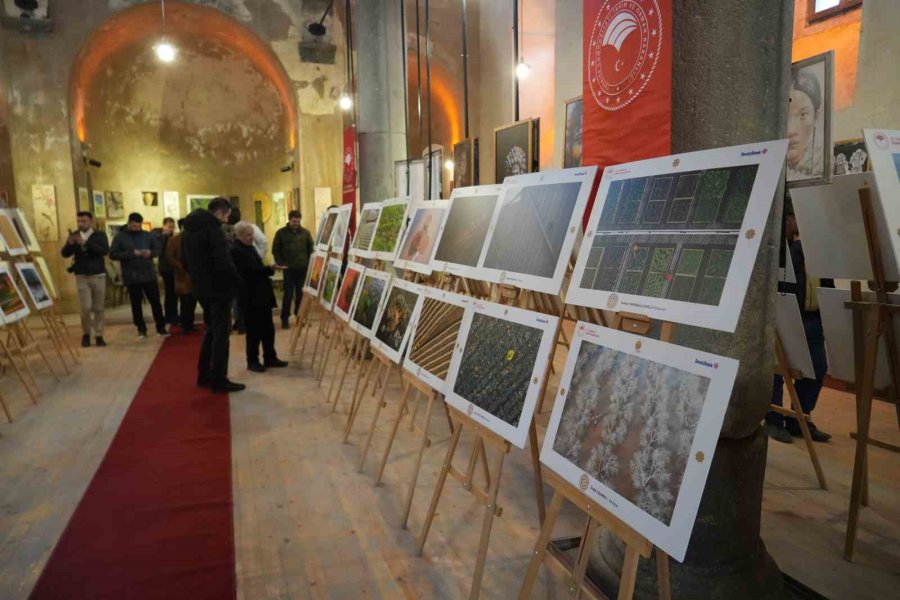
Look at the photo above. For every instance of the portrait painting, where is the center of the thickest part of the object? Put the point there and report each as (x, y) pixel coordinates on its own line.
(115, 205)
(99, 204)
(465, 227)
(572, 141)
(513, 150)
(809, 151)
(150, 198)
(368, 303)
(40, 297)
(347, 292)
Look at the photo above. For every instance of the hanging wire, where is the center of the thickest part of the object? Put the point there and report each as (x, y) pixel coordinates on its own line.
(163, 6)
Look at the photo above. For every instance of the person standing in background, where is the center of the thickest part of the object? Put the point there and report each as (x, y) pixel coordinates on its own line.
(88, 248)
(135, 249)
(292, 248)
(186, 300)
(164, 236)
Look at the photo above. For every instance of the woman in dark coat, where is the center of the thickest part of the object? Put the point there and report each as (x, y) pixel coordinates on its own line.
(256, 298)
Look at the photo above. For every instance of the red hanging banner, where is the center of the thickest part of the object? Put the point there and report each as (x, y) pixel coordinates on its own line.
(349, 189)
(627, 80)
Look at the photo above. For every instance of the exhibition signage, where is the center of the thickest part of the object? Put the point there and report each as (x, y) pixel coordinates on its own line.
(349, 160)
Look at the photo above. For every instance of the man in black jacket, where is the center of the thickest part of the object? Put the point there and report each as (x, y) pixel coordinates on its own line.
(88, 249)
(135, 249)
(166, 271)
(215, 280)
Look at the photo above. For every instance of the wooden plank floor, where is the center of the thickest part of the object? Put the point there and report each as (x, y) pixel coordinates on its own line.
(307, 525)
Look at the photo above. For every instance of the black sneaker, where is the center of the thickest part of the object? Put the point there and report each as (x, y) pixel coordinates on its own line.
(256, 368)
(276, 363)
(815, 433)
(227, 386)
(85, 341)
(285, 325)
(100, 342)
(779, 434)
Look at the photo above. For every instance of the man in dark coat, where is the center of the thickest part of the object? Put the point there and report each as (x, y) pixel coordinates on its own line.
(135, 249)
(163, 237)
(256, 299)
(88, 249)
(215, 280)
(292, 247)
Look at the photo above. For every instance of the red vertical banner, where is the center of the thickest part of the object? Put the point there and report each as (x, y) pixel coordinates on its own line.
(349, 191)
(627, 80)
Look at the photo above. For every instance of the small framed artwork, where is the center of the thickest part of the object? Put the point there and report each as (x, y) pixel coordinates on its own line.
(150, 198)
(513, 149)
(346, 296)
(115, 205)
(329, 220)
(369, 299)
(12, 305)
(10, 240)
(851, 157)
(196, 201)
(809, 152)
(40, 297)
(99, 204)
(572, 135)
(84, 200)
(316, 270)
(392, 326)
(330, 285)
(465, 163)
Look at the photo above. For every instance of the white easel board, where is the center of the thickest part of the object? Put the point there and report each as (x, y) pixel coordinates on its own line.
(789, 325)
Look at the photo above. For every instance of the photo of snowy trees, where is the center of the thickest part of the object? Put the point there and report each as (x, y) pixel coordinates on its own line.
(630, 422)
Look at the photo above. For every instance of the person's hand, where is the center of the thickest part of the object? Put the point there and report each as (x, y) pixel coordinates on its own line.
(138, 252)
(74, 238)
(146, 253)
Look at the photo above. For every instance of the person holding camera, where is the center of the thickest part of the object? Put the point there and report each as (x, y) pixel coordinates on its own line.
(88, 248)
(135, 249)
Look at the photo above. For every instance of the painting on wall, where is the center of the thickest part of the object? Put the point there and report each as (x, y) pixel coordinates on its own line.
(465, 229)
(23, 228)
(851, 157)
(677, 236)
(421, 235)
(46, 218)
(196, 201)
(464, 163)
(314, 277)
(114, 229)
(171, 205)
(365, 230)
(513, 150)
(392, 325)
(391, 222)
(10, 240)
(332, 276)
(84, 200)
(433, 336)
(368, 302)
(40, 297)
(572, 141)
(809, 150)
(115, 205)
(635, 426)
(535, 228)
(343, 306)
(44, 268)
(99, 204)
(279, 209)
(12, 305)
(150, 198)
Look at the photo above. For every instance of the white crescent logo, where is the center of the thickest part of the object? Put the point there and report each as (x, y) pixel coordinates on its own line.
(619, 29)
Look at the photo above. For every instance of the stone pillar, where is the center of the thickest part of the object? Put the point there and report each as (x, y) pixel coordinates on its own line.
(730, 72)
(381, 128)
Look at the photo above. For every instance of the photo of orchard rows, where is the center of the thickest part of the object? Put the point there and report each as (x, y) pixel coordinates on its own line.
(436, 332)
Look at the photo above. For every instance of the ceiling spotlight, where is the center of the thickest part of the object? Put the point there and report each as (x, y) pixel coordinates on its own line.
(523, 70)
(165, 51)
(345, 102)
(448, 164)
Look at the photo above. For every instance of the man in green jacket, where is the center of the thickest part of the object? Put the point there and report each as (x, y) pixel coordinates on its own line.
(292, 249)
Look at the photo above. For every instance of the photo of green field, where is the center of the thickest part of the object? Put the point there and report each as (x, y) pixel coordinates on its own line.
(389, 225)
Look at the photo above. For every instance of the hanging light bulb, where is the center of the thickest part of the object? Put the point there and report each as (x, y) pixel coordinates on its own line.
(448, 164)
(523, 70)
(165, 51)
(345, 101)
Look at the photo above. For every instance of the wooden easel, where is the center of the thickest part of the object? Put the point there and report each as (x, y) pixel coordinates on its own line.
(301, 322)
(783, 368)
(10, 349)
(871, 320)
(382, 366)
(355, 351)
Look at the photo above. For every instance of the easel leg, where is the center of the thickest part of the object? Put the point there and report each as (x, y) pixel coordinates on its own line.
(378, 407)
(418, 464)
(351, 355)
(540, 549)
(629, 573)
(438, 489)
(29, 382)
(6, 410)
(536, 466)
(332, 340)
(587, 542)
(358, 399)
(804, 429)
(415, 411)
(663, 577)
(323, 325)
(489, 513)
(404, 401)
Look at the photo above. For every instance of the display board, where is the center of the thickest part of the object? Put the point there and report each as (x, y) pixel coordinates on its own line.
(330, 285)
(884, 151)
(675, 238)
(365, 230)
(433, 336)
(323, 237)
(789, 325)
(534, 228)
(29, 275)
(23, 228)
(12, 305)
(44, 268)
(346, 296)
(315, 276)
(465, 229)
(635, 427)
(392, 326)
(368, 301)
(499, 365)
(10, 240)
(389, 230)
(809, 154)
(420, 237)
(341, 226)
(401, 178)
(321, 227)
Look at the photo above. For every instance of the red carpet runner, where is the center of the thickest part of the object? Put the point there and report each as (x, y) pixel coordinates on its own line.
(156, 521)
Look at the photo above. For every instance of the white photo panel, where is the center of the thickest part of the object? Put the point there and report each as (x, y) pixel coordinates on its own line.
(433, 336)
(12, 304)
(330, 284)
(395, 318)
(370, 295)
(534, 228)
(390, 228)
(884, 151)
(29, 276)
(465, 229)
(420, 237)
(44, 268)
(635, 427)
(675, 238)
(365, 230)
(315, 274)
(349, 290)
(498, 367)
(789, 325)
(329, 220)
(23, 227)
(321, 226)
(339, 233)
(11, 241)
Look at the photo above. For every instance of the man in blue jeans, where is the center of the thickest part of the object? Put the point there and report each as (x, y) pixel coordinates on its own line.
(292, 248)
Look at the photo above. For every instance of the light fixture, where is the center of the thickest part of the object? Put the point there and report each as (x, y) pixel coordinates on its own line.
(523, 70)
(345, 101)
(165, 50)
(448, 164)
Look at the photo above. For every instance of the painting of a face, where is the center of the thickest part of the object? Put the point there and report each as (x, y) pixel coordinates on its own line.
(801, 125)
(809, 152)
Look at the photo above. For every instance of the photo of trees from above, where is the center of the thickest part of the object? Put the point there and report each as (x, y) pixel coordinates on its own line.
(465, 230)
(435, 336)
(531, 228)
(496, 366)
(348, 289)
(331, 278)
(396, 316)
(389, 226)
(367, 222)
(369, 298)
(630, 423)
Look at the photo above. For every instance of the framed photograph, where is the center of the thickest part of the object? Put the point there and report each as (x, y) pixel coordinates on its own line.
(279, 209)
(99, 199)
(465, 166)
(343, 306)
(676, 237)
(809, 150)
(23, 228)
(10, 240)
(113, 229)
(499, 365)
(341, 227)
(84, 200)
(365, 230)
(391, 224)
(464, 231)
(421, 236)
(150, 198)
(851, 157)
(44, 269)
(172, 205)
(369, 299)
(322, 219)
(433, 336)
(436, 168)
(635, 426)
(323, 238)
(513, 150)
(572, 134)
(330, 285)
(534, 229)
(316, 271)
(12, 305)
(115, 205)
(392, 326)
(196, 201)
(46, 217)
(884, 151)
(40, 297)
(401, 178)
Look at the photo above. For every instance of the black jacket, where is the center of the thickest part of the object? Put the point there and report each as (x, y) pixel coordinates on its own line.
(135, 269)
(256, 290)
(162, 240)
(206, 256)
(88, 259)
